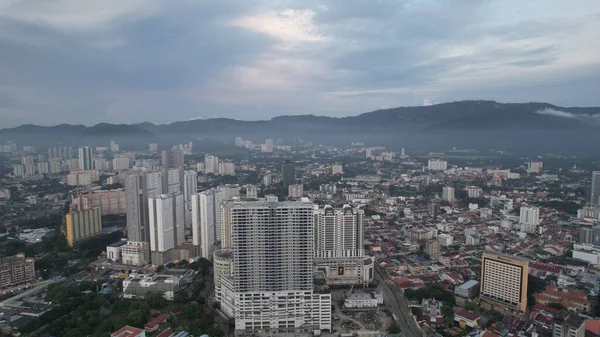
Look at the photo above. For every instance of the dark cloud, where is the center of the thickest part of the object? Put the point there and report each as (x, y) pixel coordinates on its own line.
(160, 62)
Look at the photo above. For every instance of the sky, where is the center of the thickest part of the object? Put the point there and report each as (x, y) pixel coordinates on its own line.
(130, 61)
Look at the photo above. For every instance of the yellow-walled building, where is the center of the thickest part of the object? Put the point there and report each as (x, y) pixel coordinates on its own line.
(504, 280)
(83, 224)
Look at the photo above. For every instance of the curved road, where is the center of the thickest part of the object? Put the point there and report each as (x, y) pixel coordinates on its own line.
(397, 303)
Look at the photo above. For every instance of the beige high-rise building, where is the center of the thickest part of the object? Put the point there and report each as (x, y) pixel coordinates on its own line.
(226, 169)
(337, 169)
(109, 201)
(295, 191)
(433, 248)
(15, 270)
(504, 280)
(448, 194)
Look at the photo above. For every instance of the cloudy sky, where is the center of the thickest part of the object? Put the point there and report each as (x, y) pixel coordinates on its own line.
(90, 61)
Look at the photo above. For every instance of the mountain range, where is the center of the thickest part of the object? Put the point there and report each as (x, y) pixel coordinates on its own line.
(483, 124)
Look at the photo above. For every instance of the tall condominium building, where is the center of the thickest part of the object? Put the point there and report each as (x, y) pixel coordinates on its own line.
(206, 218)
(535, 166)
(239, 141)
(474, 191)
(589, 236)
(16, 270)
(295, 191)
(114, 147)
(595, 191)
(434, 210)
(337, 169)
(448, 194)
(288, 174)
(109, 201)
(211, 164)
(190, 187)
(153, 147)
(339, 232)
(59, 152)
(173, 179)
(226, 169)
(27, 160)
(82, 224)
(30, 169)
(173, 158)
(119, 164)
(437, 165)
(529, 218)
(167, 226)
(339, 246)
(55, 166)
(85, 158)
(178, 156)
(139, 187)
(18, 170)
(272, 268)
(267, 146)
(43, 167)
(568, 324)
(433, 248)
(504, 280)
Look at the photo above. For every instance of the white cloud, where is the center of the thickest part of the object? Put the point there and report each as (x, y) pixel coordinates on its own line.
(427, 102)
(556, 113)
(76, 15)
(289, 26)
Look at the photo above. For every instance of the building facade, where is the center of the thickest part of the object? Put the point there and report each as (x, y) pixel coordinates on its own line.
(85, 158)
(167, 225)
(339, 246)
(16, 270)
(504, 280)
(529, 218)
(437, 165)
(82, 224)
(272, 282)
(207, 226)
(448, 194)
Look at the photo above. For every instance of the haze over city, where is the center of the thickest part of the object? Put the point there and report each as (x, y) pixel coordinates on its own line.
(85, 62)
(376, 168)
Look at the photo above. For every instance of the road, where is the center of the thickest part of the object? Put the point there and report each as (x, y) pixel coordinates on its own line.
(397, 303)
(36, 287)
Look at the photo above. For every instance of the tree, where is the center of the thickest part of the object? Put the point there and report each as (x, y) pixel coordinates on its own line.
(448, 312)
(394, 329)
(160, 268)
(191, 310)
(137, 318)
(204, 265)
(555, 305)
(155, 300)
(471, 306)
(417, 312)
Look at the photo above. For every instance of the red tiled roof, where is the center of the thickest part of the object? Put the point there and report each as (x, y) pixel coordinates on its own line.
(468, 315)
(127, 331)
(166, 333)
(155, 321)
(593, 325)
(546, 308)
